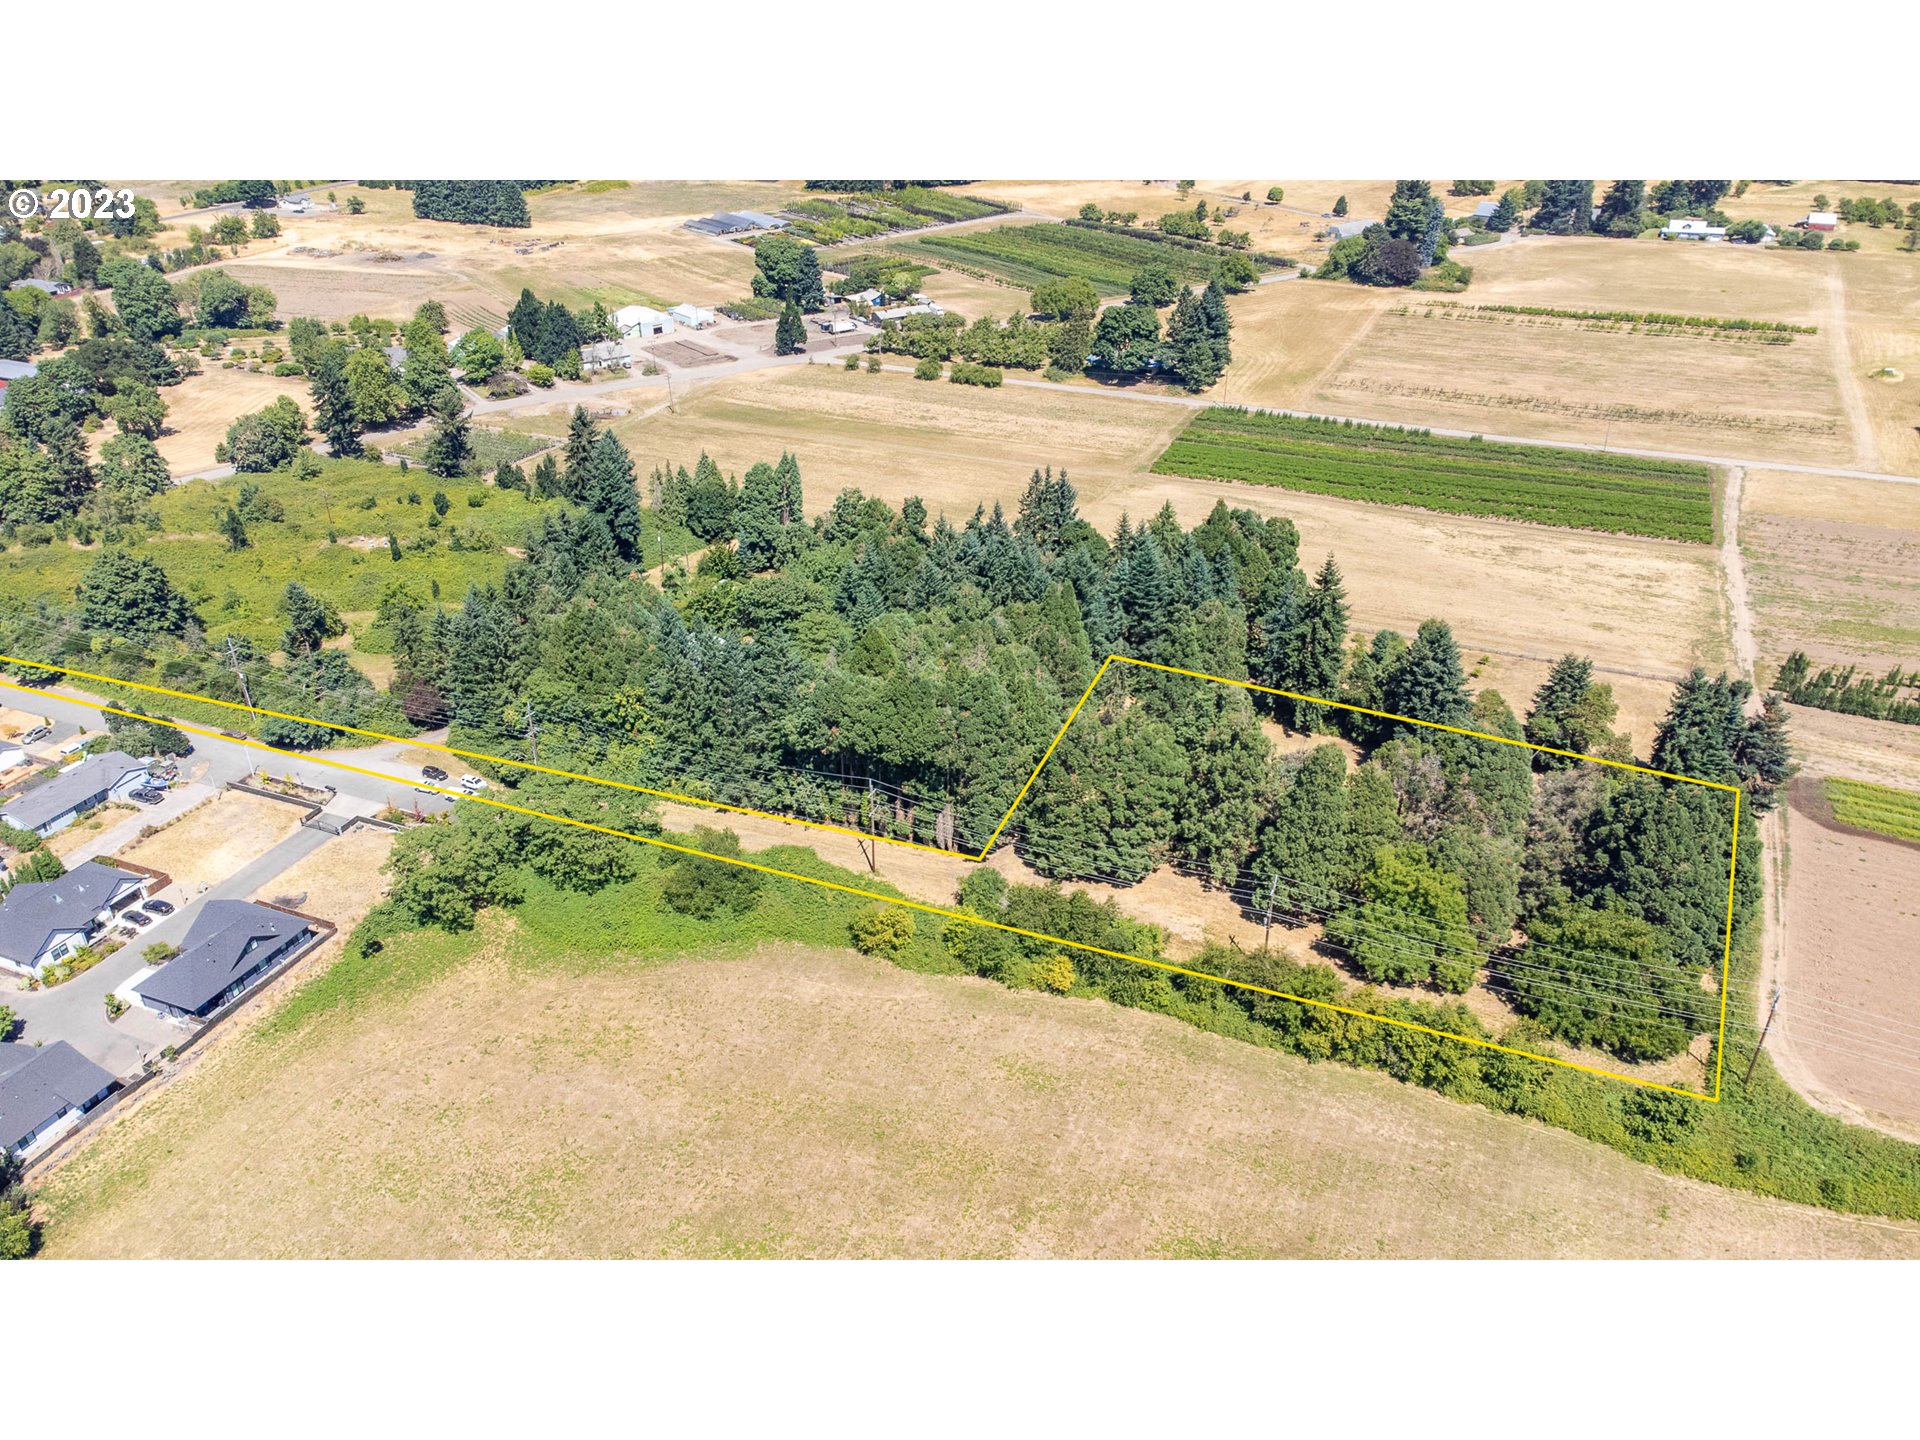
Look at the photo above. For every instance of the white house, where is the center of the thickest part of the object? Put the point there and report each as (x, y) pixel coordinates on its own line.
(1691, 227)
(60, 801)
(296, 204)
(641, 322)
(691, 316)
(44, 921)
(1821, 220)
(606, 355)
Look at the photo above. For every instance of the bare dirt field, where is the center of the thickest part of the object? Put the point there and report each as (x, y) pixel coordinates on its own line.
(1852, 916)
(337, 881)
(1834, 568)
(201, 407)
(1827, 743)
(801, 1102)
(208, 844)
(1649, 608)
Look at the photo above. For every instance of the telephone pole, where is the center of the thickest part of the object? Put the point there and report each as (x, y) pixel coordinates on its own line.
(1273, 888)
(1772, 1010)
(233, 654)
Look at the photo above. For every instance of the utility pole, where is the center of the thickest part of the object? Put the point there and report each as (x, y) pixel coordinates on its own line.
(533, 734)
(1772, 1010)
(1266, 937)
(233, 654)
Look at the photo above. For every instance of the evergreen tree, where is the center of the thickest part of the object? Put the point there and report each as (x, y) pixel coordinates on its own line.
(1410, 927)
(1620, 208)
(1566, 208)
(1304, 859)
(130, 595)
(525, 323)
(1189, 348)
(1702, 728)
(425, 375)
(790, 334)
(333, 408)
(1314, 649)
(1763, 756)
(1428, 682)
(1048, 511)
(1506, 214)
(612, 495)
(1571, 713)
(309, 622)
(1340, 207)
(449, 445)
(757, 518)
(582, 435)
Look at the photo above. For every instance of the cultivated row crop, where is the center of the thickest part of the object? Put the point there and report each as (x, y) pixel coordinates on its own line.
(1667, 499)
(1031, 254)
(1875, 807)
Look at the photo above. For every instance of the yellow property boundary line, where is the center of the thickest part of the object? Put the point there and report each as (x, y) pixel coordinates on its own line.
(1732, 864)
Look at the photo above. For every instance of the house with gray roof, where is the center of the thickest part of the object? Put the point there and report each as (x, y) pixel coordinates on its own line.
(57, 803)
(45, 921)
(46, 287)
(11, 370)
(43, 1091)
(1347, 229)
(231, 947)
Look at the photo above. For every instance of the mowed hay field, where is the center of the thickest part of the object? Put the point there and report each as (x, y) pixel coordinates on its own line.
(202, 407)
(1425, 361)
(1852, 912)
(806, 1102)
(1833, 568)
(1784, 205)
(1648, 608)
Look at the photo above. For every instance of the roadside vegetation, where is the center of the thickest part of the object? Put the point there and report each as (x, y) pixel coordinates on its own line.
(1668, 499)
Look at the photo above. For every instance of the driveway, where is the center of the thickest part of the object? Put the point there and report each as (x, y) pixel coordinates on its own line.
(76, 1011)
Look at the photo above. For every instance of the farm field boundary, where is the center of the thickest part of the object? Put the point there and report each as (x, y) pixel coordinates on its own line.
(942, 911)
(1547, 485)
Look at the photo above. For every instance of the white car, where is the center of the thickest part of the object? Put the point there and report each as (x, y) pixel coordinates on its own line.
(473, 784)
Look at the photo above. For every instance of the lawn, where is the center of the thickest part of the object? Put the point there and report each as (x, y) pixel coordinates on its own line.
(1879, 808)
(1625, 494)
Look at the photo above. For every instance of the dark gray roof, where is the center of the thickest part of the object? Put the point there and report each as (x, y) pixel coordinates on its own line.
(222, 945)
(35, 910)
(38, 1084)
(69, 790)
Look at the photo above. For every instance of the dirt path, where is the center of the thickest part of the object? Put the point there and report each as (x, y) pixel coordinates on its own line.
(1866, 451)
(1746, 654)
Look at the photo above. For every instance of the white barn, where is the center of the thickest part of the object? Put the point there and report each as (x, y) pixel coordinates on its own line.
(640, 322)
(691, 316)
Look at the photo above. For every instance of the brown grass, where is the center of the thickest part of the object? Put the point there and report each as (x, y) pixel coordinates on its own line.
(202, 407)
(1852, 909)
(337, 879)
(1782, 205)
(210, 843)
(814, 1103)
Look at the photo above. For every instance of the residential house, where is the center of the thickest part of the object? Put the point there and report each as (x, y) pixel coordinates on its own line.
(51, 287)
(1821, 220)
(57, 803)
(1347, 229)
(693, 317)
(45, 921)
(606, 355)
(900, 312)
(296, 205)
(396, 357)
(1484, 210)
(11, 370)
(231, 947)
(44, 1089)
(641, 322)
(867, 297)
(1691, 227)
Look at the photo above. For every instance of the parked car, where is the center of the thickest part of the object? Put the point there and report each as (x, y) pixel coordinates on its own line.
(473, 784)
(433, 772)
(160, 907)
(38, 732)
(138, 919)
(147, 795)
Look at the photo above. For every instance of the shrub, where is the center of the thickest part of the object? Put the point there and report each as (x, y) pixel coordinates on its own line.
(704, 888)
(928, 369)
(881, 930)
(541, 375)
(1054, 973)
(965, 374)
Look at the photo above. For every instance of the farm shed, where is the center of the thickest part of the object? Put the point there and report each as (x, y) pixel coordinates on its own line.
(691, 316)
(900, 312)
(1484, 210)
(41, 1086)
(61, 800)
(1821, 220)
(638, 320)
(736, 222)
(231, 947)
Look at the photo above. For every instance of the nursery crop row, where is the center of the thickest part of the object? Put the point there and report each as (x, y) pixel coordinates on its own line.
(1579, 489)
(1885, 811)
(1032, 254)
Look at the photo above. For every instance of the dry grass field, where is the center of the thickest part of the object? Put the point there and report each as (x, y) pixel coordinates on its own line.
(209, 843)
(1783, 205)
(201, 407)
(1833, 568)
(1852, 910)
(1882, 294)
(800, 1102)
(1513, 591)
(1427, 362)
